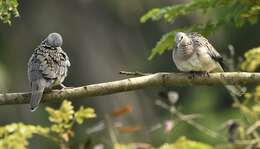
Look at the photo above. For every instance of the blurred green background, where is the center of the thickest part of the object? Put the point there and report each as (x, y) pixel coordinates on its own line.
(101, 39)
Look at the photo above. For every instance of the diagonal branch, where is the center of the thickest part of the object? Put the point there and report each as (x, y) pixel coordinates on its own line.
(144, 81)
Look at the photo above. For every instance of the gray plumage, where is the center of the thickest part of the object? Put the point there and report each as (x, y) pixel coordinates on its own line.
(193, 53)
(47, 67)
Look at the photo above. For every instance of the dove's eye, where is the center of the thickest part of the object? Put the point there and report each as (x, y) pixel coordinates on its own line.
(180, 39)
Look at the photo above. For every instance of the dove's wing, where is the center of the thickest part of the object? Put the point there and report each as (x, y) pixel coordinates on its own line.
(41, 66)
(212, 52)
(48, 64)
(199, 40)
(37, 80)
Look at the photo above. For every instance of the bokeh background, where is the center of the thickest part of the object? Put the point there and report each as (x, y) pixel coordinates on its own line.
(101, 39)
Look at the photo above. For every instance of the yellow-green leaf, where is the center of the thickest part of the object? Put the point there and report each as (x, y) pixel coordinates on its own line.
(184, 143)
(84, 113)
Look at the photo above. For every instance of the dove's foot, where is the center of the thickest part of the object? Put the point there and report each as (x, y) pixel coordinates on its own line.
(61, 87)
(64, 87)
(199, 73)
(47, 90)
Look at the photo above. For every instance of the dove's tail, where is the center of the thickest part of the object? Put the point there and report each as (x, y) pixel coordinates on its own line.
(37, 91)
(236, 90)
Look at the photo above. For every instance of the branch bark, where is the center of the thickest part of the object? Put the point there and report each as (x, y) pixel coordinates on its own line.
(144, 81)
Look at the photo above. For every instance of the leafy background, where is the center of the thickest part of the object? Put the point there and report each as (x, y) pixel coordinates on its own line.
(104, 37)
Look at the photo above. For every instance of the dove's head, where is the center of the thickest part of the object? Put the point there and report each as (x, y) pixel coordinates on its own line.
(53, 40)
(182, 40)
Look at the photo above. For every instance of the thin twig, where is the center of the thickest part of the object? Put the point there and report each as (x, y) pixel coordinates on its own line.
(136, 73)
(183, 118)
(196, 125)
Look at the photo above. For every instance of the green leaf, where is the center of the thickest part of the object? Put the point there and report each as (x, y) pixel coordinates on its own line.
(58, 128)
(84, 113)
(151, 14)
(184, 143)
(165, 43)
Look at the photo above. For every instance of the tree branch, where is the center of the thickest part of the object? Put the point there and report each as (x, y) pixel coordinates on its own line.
(144, 81)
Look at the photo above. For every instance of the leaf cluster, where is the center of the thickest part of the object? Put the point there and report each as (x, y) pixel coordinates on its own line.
(16, 135)
(181, 143)
(64, 119)
(252, 60)
(8, 10)
(244, 133)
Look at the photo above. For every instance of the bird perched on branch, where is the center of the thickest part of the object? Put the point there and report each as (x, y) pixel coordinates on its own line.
(194, 53)
(47, 67)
